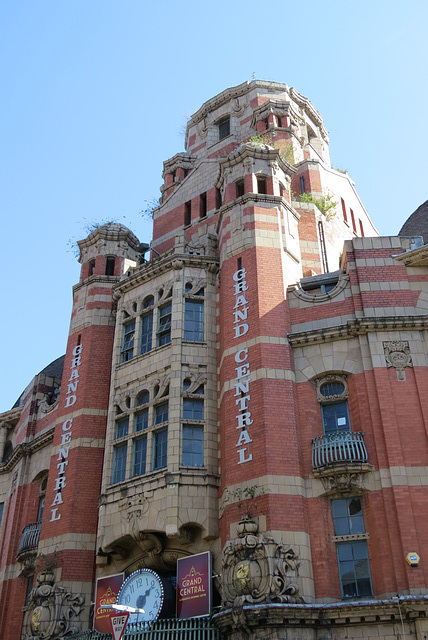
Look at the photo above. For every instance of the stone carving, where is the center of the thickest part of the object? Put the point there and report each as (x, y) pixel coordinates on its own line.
(348, 482)
(51, 610)
(132, 509)
(257, 569)
(397, 355)
(238, 108)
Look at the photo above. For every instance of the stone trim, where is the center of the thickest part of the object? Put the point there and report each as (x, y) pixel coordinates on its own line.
(167, 262)
(27, 449)
(357, 327)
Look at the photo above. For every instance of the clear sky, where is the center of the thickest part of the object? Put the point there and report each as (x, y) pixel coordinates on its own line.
(95, 96)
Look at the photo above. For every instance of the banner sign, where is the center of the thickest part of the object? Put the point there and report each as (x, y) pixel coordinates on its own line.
(194, 586)
(107, 590)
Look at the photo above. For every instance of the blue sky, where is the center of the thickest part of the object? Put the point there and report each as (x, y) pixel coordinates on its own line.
(95, 96)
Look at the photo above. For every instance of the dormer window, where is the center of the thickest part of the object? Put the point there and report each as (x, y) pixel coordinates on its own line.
(223, 128)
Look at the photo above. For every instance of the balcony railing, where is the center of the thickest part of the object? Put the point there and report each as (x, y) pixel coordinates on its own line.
(30, 538)
(338, 448)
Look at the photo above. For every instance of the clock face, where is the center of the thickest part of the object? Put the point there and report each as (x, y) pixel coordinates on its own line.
(143, 589)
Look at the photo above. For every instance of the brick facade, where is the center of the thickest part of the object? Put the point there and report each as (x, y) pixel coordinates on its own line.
(256, 387)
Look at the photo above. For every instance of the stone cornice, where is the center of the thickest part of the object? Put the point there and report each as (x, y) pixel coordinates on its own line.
(359, 326)
(242, 89)
(252, 150)
(355, 612)
(111, 231)
(167, 262)
(184, 160)
(415, 258)
(95, 279)
(278, 107)
(10, 418)
(310, 109)
(27, 449)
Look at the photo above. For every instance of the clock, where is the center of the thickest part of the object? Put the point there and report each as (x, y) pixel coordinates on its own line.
(143, 589)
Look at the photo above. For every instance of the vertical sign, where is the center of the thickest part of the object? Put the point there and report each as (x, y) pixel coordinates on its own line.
(194, 586)
(107, 590)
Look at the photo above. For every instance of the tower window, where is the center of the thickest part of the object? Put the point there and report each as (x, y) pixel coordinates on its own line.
(217, 198)
(302, 185)
(110, 266)
(261, 184)
(203, 205)
(240, 189)
(187, 213)
(223, 128)
(91, 267)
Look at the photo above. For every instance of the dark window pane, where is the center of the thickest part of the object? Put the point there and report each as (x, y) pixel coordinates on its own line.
(119, 462)
(160, 449)
(193, 446)
(335, 417)
(146, 333)
(139, 455)
(164, 325)
(127, 341)
(161, 413)
(332, 388)
(121, 428)
(224, 128)
(142, 420)
(194, 320)
(193, 409)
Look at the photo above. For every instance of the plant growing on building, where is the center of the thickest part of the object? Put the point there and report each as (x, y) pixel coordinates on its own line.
(149, 207)
(284, 147)
(324, 203)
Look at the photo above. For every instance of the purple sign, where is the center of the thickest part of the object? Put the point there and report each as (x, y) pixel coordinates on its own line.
(194, 586)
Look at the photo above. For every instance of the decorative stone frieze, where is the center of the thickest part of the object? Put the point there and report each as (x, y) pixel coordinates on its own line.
(258, 569)
(397, 355)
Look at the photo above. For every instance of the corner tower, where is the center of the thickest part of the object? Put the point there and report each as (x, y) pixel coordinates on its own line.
(68, 532)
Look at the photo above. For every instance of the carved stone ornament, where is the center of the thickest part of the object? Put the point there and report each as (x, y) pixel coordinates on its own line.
(397, 355)
(52, 611)
(257, 569)
(345, 483)
(132, 509)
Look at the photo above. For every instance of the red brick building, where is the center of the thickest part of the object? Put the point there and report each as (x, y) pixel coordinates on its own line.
(254, 389)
